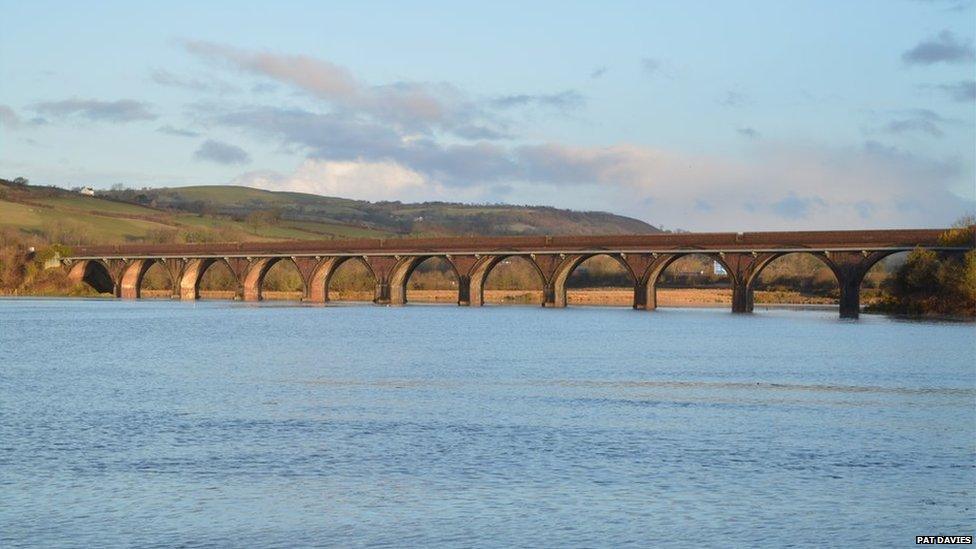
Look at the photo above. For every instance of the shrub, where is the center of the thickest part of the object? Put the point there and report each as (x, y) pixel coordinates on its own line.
(930, 283)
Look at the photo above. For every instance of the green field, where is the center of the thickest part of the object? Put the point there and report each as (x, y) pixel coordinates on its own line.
(38, 221)
(227, 213)
(343, 218)
(96, 205)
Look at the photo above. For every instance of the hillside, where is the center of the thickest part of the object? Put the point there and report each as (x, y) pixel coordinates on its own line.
(429, 218)
(211, 213)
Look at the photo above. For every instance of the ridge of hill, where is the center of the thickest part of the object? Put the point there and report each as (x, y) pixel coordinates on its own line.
(426, 218)
(216, 212)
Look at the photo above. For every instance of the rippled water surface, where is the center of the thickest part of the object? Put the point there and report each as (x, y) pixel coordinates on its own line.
(225, 424)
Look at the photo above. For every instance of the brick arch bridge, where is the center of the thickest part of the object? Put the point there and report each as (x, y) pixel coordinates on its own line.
(120, 269)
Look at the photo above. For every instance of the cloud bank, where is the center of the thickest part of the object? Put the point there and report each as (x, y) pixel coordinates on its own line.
(120, 111)
(963, 91)
(221, 153)
(419, 141)
(944, 48)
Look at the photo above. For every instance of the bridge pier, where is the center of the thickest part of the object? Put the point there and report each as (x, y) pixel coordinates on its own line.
(381, 296)
(174, 268)
(188, 283)
(464, 290)
(645, 270)
(850, 299)
(650, 301)
(254, 276)
(132, 273)
(116, 267)
(464, 268)
(640, 296)
(742, 298)
(549, 297)
(555, 270)
(382, 267)
(478, 274)
(306, 269)
(742, 269)
(316, 291)
(850, 268)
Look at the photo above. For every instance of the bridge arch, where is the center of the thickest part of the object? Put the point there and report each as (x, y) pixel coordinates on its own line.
(348, 271)
(849, 269)
(196, 269)
(134, 276)
(256, 272)
(284, 279)
(873, 258)
(161, 279)
(95, 273)
(482, 270)
(652, 278)
(881, 272)
(755, 279)
(406, 267)
(572, 263)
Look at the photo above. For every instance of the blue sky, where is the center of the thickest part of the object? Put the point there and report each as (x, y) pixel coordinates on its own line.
(701, 116)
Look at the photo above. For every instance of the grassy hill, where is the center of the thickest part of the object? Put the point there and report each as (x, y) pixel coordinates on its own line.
(430, 218)
(212, 213)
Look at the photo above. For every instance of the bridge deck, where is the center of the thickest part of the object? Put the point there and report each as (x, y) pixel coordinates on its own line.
(665, 242)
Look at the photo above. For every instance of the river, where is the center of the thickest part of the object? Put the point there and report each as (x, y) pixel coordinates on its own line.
(160, 423)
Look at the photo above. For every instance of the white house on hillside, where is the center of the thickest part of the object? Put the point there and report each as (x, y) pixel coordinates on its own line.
(87, 191)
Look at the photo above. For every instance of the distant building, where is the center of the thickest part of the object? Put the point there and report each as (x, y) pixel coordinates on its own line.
(87, 191)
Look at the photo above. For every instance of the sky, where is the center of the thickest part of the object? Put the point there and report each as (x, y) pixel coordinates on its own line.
(703, 116)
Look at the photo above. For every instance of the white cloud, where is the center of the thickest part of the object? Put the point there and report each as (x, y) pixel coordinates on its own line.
(385, 143)
(410, 105)
(119, 111)
(221, 153)
(357, 179)
(778, 186)
(775, 186)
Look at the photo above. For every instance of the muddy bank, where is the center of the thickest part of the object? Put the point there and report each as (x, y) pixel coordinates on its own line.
(619, 297)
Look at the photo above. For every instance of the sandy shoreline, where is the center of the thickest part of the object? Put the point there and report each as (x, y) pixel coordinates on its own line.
(618, 297)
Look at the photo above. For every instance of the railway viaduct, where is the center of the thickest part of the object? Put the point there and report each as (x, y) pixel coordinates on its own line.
(120, 269)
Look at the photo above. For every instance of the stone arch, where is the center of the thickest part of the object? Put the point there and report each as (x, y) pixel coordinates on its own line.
(135, 273)
(404, 269)
(653, 275)
(95, 273)
(284, 276)
(570, 265)
(480, 272)
(879, 278)
(318, 279)
(328, 275)
(193, 275)
(161, 279)
(849, 268)
(872, 258)
(753, 277)
(257, 270)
